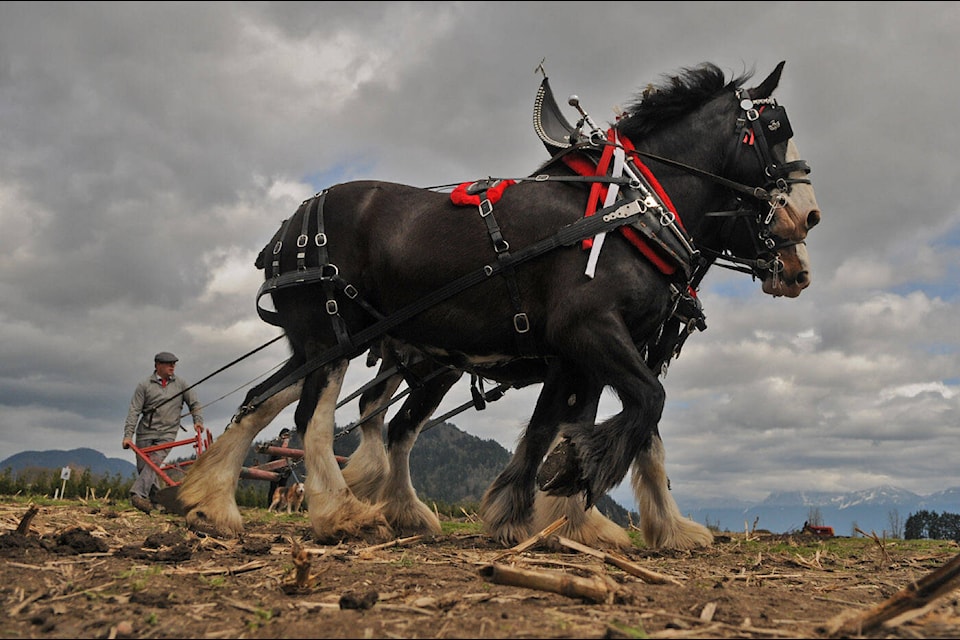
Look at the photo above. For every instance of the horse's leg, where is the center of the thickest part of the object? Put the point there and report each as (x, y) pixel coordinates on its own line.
(585, 525)
(507, 507)
(595, 458)
(660, 519)
(404, 510)
(334, 511)
(366, 469)
(208, 493)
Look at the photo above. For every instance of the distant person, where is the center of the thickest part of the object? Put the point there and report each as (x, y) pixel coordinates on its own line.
(282, 440)
(154, 417)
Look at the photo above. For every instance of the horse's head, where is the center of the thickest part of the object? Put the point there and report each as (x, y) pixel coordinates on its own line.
(796, 212)
(760, 183)
(783, 207)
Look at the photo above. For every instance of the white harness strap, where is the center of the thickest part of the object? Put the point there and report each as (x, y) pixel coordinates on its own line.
(612, 192)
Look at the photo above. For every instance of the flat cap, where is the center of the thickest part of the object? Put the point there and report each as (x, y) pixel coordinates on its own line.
(165, 356)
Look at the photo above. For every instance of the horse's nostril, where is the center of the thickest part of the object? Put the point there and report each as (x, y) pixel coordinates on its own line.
(813, 219)
(803, 278)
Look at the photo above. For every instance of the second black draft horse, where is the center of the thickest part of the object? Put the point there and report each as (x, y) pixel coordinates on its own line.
(581, 276)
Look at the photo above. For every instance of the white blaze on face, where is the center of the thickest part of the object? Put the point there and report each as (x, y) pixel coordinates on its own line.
(792, 221)
(803, 257)
(801, 201)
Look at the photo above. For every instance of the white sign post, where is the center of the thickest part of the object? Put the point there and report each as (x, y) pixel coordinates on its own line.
(64, 475)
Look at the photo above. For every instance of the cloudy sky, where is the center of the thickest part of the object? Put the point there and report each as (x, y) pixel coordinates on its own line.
(148, 151)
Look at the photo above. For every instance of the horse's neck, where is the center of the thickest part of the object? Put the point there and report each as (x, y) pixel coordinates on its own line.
(693, 196)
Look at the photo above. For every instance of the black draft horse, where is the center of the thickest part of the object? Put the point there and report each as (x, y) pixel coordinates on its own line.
(513, 294)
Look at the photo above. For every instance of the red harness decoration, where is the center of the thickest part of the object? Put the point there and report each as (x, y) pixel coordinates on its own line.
(599, 191)
(460, 197)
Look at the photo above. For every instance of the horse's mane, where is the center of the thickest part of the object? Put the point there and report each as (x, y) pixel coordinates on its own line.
(675, 96)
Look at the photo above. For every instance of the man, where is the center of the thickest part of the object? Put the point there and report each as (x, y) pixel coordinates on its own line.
(154, 417)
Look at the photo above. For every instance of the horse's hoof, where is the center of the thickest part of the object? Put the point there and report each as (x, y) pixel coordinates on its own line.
(207, 529)
(199, 523)
(560, 473)
(167, 498)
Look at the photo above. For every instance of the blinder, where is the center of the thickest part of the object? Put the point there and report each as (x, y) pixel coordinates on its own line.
(765, 125)
(775, 124)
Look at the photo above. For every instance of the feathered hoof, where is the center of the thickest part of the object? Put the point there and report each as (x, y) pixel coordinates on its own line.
(683, 535)
(599, 536)
(370, 533)
(412, 518)
(377, 533)
(560, 473)
(201, 522)
(352, 519)
(427, 527)
(508, 535)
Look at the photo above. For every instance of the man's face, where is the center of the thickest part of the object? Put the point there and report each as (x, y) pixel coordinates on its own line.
(165, 369)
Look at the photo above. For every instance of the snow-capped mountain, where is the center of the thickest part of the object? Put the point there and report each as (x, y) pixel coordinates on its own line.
(882, 509)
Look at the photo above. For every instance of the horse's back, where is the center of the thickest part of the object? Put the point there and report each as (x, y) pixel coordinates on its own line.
(399, 244)
(397, 216)
(398, 226)
(406, 242)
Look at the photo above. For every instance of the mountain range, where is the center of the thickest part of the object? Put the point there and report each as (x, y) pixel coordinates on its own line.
(76, 459)
(448, 457)
(879, 510)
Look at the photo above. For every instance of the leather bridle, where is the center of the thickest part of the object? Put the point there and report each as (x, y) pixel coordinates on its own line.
(762, 125)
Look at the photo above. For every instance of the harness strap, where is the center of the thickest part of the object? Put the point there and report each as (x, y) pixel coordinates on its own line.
(415, 382)
(329, 286)
(275, 264)
(302, 238)
(325, 273)
(476, 402)
(401, 367)
(686, 316)
(485, 207)
(521, 323)
(610, 162)
(661, 238)
(605, 219)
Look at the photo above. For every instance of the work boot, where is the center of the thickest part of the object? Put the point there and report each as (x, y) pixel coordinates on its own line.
(141, 503)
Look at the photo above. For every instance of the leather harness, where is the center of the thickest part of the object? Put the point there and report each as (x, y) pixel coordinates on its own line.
(606, 219)
(640, 206)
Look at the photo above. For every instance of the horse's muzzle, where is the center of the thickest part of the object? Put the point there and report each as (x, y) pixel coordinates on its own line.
(789, 274)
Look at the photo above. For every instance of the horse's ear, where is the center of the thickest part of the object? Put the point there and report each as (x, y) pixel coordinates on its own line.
(767, 86)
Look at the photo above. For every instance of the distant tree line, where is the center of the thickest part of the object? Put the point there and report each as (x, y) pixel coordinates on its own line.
(47, 482)
(932, 526)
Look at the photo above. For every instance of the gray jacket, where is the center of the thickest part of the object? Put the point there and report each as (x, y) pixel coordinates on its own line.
(149, 419)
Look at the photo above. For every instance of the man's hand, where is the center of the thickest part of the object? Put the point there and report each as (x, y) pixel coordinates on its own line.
(127, 442)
